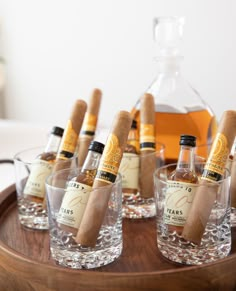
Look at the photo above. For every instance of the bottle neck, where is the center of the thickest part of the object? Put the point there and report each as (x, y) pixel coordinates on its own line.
(169, 64)
(133, 140)
(92, 161)
(186, 158)
(53, 143)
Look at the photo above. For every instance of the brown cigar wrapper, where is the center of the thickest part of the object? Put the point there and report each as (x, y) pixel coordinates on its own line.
(147, 109)
(98, 200)
(94, 215)
(147, 168)
(147, 160)
(77, 115)
(84, 140)
(205, 196)
(76, 118)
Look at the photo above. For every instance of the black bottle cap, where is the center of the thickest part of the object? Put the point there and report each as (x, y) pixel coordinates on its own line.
(56, 130)
(134, 124)
(188, 140)
(96, 146)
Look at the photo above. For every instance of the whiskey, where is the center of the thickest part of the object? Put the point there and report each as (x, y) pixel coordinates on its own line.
(179, 108)
(78, 191)
(180, 186)
(169, 127)
(42, 167)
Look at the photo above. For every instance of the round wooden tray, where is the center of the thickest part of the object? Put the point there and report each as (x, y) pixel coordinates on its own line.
(25, 262)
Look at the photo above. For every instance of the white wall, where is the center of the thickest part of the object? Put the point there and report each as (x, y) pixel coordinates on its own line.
(58, 51)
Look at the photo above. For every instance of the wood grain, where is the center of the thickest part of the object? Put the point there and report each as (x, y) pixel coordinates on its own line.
(25, 262)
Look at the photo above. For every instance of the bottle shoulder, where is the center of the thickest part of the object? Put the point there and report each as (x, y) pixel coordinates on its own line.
(173, 93)
(131, 147)
(86, 177)
(47, 156)
(183, 175)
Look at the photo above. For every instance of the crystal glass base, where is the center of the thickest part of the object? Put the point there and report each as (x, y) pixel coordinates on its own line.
(175, 248)
(66, 252)
(32, 215)
(86, 260)
(134, 206)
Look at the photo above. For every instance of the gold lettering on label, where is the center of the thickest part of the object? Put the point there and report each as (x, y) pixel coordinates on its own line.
(218, 155)
(111, 156)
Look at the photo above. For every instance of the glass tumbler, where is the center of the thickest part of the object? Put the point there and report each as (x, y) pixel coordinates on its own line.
(216, 240)
(63, 246)
(32, 209)
(137, 182)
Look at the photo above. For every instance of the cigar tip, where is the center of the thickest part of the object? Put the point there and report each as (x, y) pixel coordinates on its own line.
(96, 92)
(80, 102)
(229, 112)
(124, 114)
(147, 99)
(148, 96)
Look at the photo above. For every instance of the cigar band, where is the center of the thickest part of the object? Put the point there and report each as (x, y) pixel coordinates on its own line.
(69, 142)
(147, 133)
(105, 177)
(89, 124)
(64, 155)
(147, 146)
(216, 162)
(110, 161)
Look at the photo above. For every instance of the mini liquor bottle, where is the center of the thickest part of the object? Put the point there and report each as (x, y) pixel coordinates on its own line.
(180, 186)
(42, 167)
(78, 190)
(106, 175)
(129, 167)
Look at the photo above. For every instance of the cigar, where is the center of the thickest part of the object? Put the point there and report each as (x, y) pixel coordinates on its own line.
(213, 171)
(106, 175)
(69, 139)
(70, 136)
(147, 146)
(89, 125)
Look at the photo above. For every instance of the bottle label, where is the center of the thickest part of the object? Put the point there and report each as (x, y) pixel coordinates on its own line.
(89, 125)
(110, 161)
(147, 136)
(216, 162)
(35, 184)
(179, 198)
(69, 142)
(129, 169)
(73, 204)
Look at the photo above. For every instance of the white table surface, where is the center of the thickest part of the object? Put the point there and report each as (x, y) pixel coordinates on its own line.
(14, 137)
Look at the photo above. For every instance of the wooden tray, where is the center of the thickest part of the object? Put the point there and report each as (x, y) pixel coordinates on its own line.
(25, 262)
